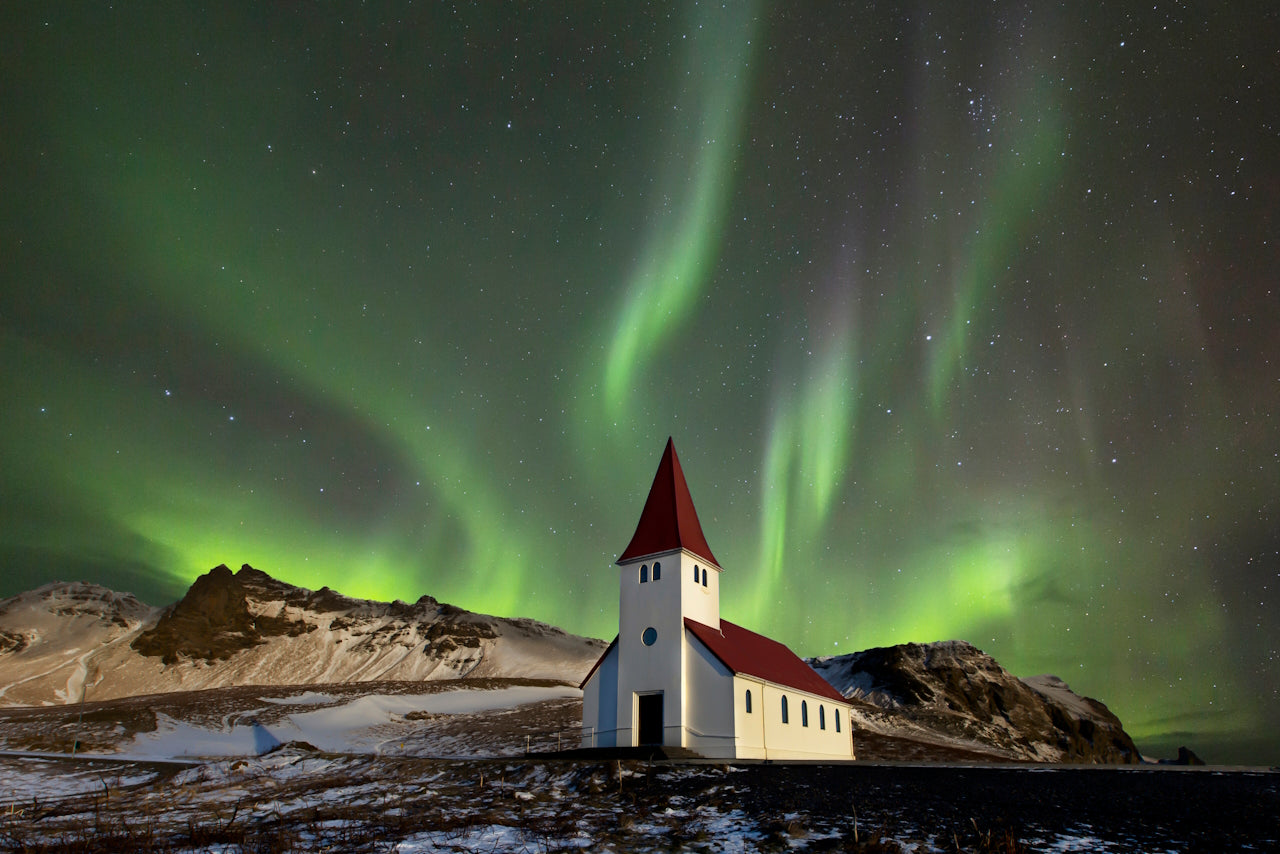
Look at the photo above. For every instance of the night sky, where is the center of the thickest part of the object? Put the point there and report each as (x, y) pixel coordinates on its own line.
(966, 324)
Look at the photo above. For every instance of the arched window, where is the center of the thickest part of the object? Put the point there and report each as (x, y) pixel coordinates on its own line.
(657, 570)
(748, 701)
(822, 717)
(784, 708)
(804, 713)
(836, 712)
(696, 570)
(644, 572)
(704, 578)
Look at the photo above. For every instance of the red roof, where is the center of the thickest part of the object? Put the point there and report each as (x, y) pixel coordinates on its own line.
(669, 521)
(751, 654)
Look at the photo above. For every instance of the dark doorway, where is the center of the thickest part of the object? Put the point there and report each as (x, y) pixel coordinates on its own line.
(650, 712)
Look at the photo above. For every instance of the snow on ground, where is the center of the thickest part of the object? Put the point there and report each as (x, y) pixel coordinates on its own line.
(296, 800)
(1070, 843)
(51, 780)
(309, 698)
(345, 727)
(493, 837)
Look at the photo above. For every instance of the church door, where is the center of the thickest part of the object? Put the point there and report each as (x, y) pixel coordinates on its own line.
(650, 714)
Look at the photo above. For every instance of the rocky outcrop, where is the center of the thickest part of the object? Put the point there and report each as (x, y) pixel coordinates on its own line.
(213, 621)
(1186, 756)
(960, 693)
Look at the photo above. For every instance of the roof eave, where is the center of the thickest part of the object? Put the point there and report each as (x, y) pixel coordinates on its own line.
(678, 549)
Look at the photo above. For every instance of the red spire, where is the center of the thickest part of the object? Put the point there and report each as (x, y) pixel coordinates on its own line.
(669, 520)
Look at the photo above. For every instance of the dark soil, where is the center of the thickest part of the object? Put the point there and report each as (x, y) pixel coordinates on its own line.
(668, 806)
(1145, 808)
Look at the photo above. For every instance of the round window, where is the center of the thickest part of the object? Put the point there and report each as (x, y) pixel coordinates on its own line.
(650, 636)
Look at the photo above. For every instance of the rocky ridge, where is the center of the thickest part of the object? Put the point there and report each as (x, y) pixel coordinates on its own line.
(954, 691)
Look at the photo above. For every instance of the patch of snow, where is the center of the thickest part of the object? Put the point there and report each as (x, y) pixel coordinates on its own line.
(351, 727)
(727, 830)
(1054, 689)
(310, 698)
(263, 740)
(492, 837)
(337, 728)
(37, 778)
(1066, 843)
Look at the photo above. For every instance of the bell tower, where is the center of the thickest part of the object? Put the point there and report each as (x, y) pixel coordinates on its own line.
(667, 573)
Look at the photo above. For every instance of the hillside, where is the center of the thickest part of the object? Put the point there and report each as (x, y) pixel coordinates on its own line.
(247, 628)
(954, 693)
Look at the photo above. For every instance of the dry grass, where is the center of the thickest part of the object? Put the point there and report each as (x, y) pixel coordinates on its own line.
(299, 801)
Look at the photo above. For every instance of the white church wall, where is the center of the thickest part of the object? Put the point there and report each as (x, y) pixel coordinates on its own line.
(644, 668)
(600, 704)
(698, 601)
(709, 712)
(749, 722)
(794, 740)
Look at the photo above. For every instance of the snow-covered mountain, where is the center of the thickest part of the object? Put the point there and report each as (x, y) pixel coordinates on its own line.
(955, 692)
(247, 628)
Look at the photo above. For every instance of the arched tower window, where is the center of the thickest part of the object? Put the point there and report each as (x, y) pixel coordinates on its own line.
(657, 570)
(822, 717)
(784, 708)
(836, 712)
(644, 572)
(704, 578)
(696, 570)
(748, 701)
(804, 713)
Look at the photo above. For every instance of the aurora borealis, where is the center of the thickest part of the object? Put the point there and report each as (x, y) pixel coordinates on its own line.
(965, 325)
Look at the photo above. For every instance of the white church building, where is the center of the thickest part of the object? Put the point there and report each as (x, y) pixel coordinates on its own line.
(679, 676)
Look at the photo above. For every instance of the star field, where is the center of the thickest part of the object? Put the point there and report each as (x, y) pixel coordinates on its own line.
(964, 325)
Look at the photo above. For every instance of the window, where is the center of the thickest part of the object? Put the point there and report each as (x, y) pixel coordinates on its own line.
(748, 701)
(696, 570)
(804, 713)
(650, 636)
(822, 717)
(644, 573)
(657, 570)
(836, 712)
(704, 578)
(784, 708)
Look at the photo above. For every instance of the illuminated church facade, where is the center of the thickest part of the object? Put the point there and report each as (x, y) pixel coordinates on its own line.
(679, 676)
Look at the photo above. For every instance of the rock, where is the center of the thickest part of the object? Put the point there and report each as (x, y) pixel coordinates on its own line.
(959, 692)
(1185, 757)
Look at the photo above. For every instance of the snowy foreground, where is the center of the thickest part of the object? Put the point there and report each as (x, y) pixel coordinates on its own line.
(444, 770)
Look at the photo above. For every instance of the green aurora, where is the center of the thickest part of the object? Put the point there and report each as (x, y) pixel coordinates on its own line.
(965, 326)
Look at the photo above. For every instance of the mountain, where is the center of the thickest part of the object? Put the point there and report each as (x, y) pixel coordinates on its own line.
(247, 628)
(48, 635)
(62, 642)
(955, 693)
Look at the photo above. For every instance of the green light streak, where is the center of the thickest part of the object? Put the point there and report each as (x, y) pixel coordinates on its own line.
(663, 290)
(1024, 177)
(805, 462)
(461, 530)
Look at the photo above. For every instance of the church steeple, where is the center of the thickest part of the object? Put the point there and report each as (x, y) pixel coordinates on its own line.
(669, 520)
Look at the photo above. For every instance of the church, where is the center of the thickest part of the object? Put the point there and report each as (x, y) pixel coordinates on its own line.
(679, 676)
